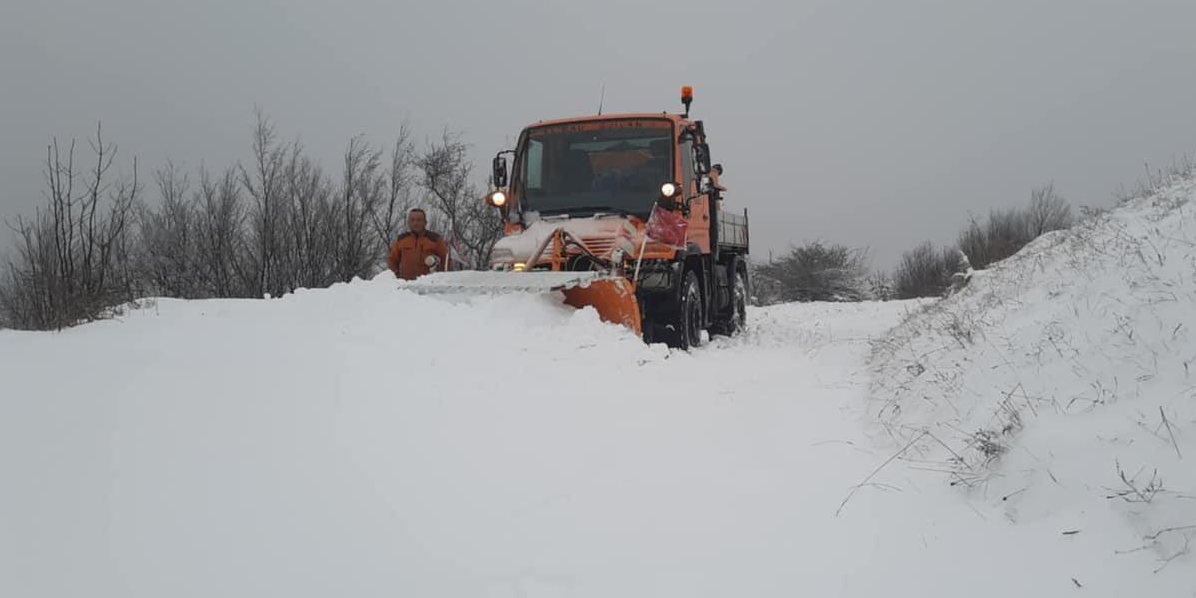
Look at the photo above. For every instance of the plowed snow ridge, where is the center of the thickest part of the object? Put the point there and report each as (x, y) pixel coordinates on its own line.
(365, 441)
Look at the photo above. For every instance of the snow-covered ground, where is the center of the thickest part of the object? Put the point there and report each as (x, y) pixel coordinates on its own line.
(362, 441)
(366, 441)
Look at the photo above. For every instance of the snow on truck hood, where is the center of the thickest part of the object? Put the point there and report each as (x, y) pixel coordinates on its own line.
(601, 235)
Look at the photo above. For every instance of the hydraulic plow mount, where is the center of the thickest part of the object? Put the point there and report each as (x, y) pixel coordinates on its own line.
(611, 294)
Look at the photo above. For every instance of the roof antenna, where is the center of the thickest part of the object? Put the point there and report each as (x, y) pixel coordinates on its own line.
(601, 99)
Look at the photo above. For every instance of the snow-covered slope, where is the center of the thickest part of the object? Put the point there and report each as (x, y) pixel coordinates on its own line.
(366, 441)
(1059, 389)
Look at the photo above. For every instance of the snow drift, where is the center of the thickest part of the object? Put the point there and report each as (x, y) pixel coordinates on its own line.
(1059, 389)
(364, 440)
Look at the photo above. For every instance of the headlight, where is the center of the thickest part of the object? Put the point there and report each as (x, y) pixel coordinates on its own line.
(497, 199)
(668, 190)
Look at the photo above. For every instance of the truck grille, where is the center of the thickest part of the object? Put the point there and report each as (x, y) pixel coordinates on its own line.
(599, 246)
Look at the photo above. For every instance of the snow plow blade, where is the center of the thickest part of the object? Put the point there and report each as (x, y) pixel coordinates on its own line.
(613, 297)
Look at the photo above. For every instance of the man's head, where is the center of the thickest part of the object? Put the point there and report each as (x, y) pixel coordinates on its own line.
(417, 221)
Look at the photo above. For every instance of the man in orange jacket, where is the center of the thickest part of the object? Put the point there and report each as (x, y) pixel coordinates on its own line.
(418, 251)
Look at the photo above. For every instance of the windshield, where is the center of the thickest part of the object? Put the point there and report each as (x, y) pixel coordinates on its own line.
(596, 166)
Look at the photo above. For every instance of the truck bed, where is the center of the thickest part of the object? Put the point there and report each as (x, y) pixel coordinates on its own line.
(733, 230)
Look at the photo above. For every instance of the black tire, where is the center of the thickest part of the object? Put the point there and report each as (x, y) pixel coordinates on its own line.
(678, 323)
(736, 319)
(688, 324)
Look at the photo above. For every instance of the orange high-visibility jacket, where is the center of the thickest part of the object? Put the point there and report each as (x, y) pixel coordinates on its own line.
(409, 251)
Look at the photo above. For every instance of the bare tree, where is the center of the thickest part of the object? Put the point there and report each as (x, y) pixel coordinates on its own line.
(388, 216)
(446, 171)
(267, 226)
(27, 295)
(307, 246)
(1047, 212)
(362, 197)
(220, 237)
(166, 260)
(72, 258)
(264, 186)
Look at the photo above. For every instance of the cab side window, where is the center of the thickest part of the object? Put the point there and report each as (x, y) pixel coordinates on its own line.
(688, 172)
(535, 158)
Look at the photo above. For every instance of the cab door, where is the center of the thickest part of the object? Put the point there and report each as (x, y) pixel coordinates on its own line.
(698, 231)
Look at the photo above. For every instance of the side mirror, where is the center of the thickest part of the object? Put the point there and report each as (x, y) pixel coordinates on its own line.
(702, 158)
(500, 171)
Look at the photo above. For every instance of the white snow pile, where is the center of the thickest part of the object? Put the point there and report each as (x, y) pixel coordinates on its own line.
(1059, 390)
(366, 441)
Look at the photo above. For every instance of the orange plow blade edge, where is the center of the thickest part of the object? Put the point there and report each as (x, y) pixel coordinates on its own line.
(612, 296)
(613, 299)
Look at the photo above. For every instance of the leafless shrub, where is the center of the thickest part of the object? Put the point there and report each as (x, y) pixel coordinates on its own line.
(1005, 232)
(765, 289)
(973, 242)
(165, 260)
(925, 271)
(265, 227)
(72, 257)
(445, 175)
(305, 231)
(1000, 236)
(388, 217)
(310, 227)
(220, 242)
(818, 272)
(1047, 212)
(263, 182)
(360, 197)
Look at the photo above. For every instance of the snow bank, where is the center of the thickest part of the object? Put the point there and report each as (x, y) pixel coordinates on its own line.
(1060, 386)
(367, 441)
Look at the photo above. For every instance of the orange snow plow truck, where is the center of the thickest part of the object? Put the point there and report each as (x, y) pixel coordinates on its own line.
(622, 213)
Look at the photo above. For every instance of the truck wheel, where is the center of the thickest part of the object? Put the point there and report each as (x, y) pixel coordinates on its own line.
(736, 319)
(689, 313)
(677, 323)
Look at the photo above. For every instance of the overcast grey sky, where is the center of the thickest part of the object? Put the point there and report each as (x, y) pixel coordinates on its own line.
(875, 123)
